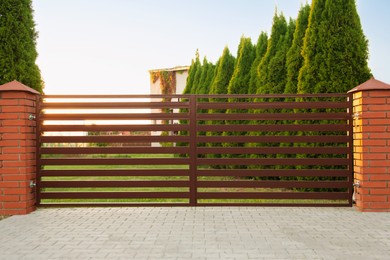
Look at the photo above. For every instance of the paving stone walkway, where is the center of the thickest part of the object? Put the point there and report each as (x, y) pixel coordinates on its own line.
(196, 233)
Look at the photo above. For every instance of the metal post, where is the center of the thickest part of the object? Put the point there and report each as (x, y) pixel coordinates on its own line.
(193, 150)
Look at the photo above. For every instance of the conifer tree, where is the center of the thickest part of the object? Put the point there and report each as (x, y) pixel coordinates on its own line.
(223, 74)
(273, 74)
(335, 53)
(294, 59)
(272, 69)
(261, 48)
(335, 49)
(195, 65)
(239, 82)
(18, 44)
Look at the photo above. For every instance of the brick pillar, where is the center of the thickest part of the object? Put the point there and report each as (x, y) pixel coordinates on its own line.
(18, 107)
(371, 109)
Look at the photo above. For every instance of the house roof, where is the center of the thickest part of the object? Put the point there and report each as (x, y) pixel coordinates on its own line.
(177, 68)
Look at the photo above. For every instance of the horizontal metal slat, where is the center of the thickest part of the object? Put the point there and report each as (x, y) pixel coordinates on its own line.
(273, 184)
(274, 128)
(103, 116)
(277, 173)
(272, 150)
(113, 184)
(128, 127)
(114, 150)
(113, 105)
(272, 161)
(273, 105)
(274, 195)
(113, 173)
(274, 139)
(322, 95)
(112, 139)
(122, 161)
(114, 195)
(275, 116)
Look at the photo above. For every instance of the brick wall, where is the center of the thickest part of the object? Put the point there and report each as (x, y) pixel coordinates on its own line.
(17, 148)
(371, 108)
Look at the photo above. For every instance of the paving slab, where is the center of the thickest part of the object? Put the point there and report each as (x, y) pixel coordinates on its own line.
(196, 233)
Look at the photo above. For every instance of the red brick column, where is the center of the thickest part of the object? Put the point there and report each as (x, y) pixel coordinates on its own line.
(371, 108)
(17, 148)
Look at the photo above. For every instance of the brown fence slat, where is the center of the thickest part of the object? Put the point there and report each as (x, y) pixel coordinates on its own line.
(275, 172)
(272, 161)
(112, 139)
(274, 139)
(113, 173)
(276, 128)
(121, 161)
(113, 184)
(114, 150)
(134, 116)
(272, 105)
(115, 195)
(274, 195)
(275, 116)
(113, 105)
(130, 127)
(273, 184)
(273, 150)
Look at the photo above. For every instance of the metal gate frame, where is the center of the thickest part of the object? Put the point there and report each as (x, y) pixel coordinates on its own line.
(215, 174)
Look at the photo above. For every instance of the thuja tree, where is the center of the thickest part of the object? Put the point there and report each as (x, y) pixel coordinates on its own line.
(204, 88)
(192, 73)
(195, 66)
(294, 58)
(261, 48)
(270, 74)
(239, 84)
(335, 54)
(335, 49)
(18, 44)
(223, 74)
(273, 74)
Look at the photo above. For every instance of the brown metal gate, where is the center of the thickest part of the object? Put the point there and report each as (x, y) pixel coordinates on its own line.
(285, 150)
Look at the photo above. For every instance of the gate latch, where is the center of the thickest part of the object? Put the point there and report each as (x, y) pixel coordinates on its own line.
(356, 184)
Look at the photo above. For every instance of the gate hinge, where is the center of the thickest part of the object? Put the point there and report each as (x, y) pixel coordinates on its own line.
(32, 184)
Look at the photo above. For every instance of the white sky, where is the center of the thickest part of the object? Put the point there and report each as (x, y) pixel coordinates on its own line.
(108, 46)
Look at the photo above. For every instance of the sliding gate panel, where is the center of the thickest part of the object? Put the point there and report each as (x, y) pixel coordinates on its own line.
(283, 150)
(114, 150)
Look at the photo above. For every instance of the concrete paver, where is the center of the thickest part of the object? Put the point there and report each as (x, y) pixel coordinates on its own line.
(196, 233)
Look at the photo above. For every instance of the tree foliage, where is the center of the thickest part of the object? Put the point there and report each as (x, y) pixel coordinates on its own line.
(272, 70)
(195, 65)
(261, 48)
(294, 58)
(335, 49)
(223, 74)
(18, 44)
(239, 82)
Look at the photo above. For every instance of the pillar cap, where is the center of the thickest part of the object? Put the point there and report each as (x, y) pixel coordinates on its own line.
(17, 86)
(371, 84)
